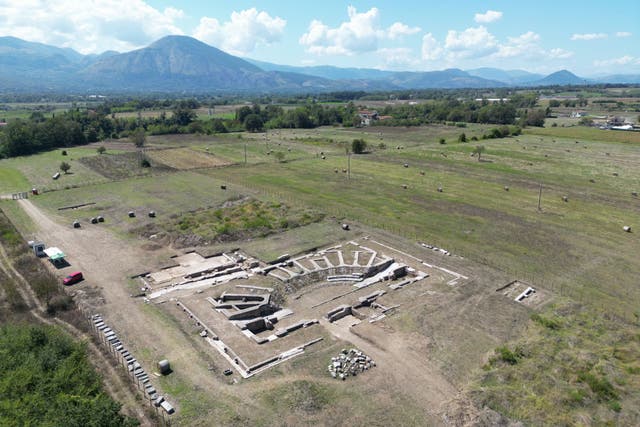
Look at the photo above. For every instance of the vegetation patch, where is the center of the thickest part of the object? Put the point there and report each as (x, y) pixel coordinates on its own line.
(48, 380)
(299, 396)
(567, 371)
(126, 165)
(238, 219)
(185, 158)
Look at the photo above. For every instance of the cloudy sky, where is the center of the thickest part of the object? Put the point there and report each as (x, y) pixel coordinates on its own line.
(586, 37)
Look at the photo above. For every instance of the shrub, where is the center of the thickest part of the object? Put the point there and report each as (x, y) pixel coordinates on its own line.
(442, 141)
(358, 146)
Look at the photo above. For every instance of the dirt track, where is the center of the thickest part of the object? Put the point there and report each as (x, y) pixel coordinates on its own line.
(106, 262)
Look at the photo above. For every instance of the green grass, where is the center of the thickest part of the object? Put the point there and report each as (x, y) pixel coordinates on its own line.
(573, 365)
(37, 170)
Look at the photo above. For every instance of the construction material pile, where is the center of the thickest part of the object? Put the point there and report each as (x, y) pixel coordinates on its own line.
(350, 363)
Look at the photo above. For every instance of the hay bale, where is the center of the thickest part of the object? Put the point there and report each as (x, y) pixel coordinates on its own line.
(76, 224)
(223, 187)
(615, 174)
(627, 228)
(100, 218)
(132, 214)
(406, 165)
(152, 214)
(506, 188)
(94, 220)
(565, 198)
(323, 157)
(440, 190)
(345, 227)
(422, 173)
(405, 186)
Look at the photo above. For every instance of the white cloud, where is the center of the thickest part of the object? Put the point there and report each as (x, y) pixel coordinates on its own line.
(242, 33)
(399, 29)
(473, 42)
(487, 17)
(431, 49)
(558, 53)
(89, 27)
(623, 60)
(589, 36)
(523, 45)
(623, 34)
(361, 33)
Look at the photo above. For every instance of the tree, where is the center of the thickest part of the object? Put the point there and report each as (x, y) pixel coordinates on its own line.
(358, 146)
(462, 137)
(479, 150)
(64, 167)
(101, 149)
(253, 123)
(139, 137)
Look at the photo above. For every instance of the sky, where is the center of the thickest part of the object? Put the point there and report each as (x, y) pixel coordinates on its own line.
(586, 37)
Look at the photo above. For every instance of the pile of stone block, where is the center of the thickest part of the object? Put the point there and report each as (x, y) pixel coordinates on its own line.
(350, 363)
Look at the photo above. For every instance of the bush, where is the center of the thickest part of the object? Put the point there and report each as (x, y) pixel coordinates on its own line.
(358, 146)
(462, 137)
(442, 141)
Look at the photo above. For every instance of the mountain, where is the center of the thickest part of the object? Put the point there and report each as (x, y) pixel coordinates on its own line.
(560, 78)
(511, 77)
(327, 71)
(452, 78)
(619, 79)
(389, 80)
(180, 64)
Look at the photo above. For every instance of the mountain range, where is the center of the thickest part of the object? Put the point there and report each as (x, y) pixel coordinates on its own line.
(180, 64)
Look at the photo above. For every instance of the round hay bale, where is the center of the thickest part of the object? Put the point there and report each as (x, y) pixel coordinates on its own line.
(323, 157)
(100, 218)
(506, 188)
(627, 228)
(152, 214)
(345, 226)
(406, 165)
(405, 186)
(132, 214)
(223, 187)
(336, 170)
(565, 198)
(440, 190)
(164, 367)
(422, 173)
(94, 220)
(76, 224)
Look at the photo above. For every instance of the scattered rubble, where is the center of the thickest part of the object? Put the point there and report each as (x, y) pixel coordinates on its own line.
(350, 363)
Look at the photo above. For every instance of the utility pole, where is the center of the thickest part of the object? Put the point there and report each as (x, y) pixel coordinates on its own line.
(349, 166)
(245, 153)
(539, 197)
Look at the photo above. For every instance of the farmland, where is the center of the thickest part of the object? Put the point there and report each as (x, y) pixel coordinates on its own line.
(546, 208)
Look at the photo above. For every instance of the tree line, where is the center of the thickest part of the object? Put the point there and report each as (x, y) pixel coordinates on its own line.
(81, 126)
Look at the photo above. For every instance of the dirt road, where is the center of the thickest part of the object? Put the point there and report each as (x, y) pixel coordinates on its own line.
(106, 262)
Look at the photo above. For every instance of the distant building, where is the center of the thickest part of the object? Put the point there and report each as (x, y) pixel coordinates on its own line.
(367, 117)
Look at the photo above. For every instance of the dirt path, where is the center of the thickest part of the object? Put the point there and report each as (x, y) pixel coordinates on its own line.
(107, 262)
(115, 386)
(413, 371)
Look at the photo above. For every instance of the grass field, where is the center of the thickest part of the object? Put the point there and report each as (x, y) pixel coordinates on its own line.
(505, 214)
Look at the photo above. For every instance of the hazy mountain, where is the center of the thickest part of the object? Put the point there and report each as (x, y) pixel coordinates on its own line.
(511, 77)
(185, 65)
(445, 79)
(560, 78)
(619, 78)
(326, 71)
(451, 78)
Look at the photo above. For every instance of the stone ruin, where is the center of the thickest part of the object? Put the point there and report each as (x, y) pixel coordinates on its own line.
(254, 314)
(352, 310)
(350, 363)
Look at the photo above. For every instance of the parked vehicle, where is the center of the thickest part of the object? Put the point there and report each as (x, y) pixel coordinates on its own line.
(73, 278)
